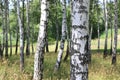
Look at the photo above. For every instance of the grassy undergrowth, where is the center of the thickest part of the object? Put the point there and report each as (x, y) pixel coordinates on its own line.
(99, 69)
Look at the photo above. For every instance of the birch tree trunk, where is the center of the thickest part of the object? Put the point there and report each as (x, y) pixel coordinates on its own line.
(32, 40)
(32, 34)
(98, 30)
(89, 44)
(68, 46)
(79, 40)
(111, 26)
(17, 38)
(3, 28)
(10, 44)
(10, 33)
(59, 57)
(28, 28)
(115, 32)
(56, 24)
(23, 20)
(39, 55)
(17, 28)
(106, 28)
(6, 28)
(0, 50)
(68, 36)
(98, 27)
(46, 37)
(91, 27)
(21, 36)
(111, 45)
(46, 43)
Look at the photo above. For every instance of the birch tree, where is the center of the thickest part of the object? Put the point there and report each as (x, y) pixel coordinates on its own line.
(115, 32)
(0, 50)
(17, 39)
(23, 20)
(68, 34)
(106, 27)
(10, 32)
(21, 36)
(3, 28)
(39, 55)
(17, 27)
(6, 28)
(79, 40)
(32, 35)
(56, 24)
(98, 26)
(92, 5)
(59, 57)
(46, 37)
(110, 17)
(28, 28)
(89, 44)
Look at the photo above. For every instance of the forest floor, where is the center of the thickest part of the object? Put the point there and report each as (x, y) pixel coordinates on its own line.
(99, 69)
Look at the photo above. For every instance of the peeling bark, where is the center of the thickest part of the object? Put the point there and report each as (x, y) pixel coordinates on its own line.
(79, 40)
(59, 57)
(39, 55)
(21, 37)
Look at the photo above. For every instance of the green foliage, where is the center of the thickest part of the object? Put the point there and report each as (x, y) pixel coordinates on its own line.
(96, 19)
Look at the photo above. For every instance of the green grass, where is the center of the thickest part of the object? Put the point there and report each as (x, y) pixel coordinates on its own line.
(99, 69)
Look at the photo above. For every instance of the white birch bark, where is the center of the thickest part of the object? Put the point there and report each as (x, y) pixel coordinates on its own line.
(98, 26)
(28, 28)
(106, 27)
(115, 32)
(39, 55)
(89, 44)
(3, 27)
(56, 24)
(59, 57)
(79, 40)
(46, 36)
(17, 28)
(9, 30)
(21, 36)
(6, 28)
